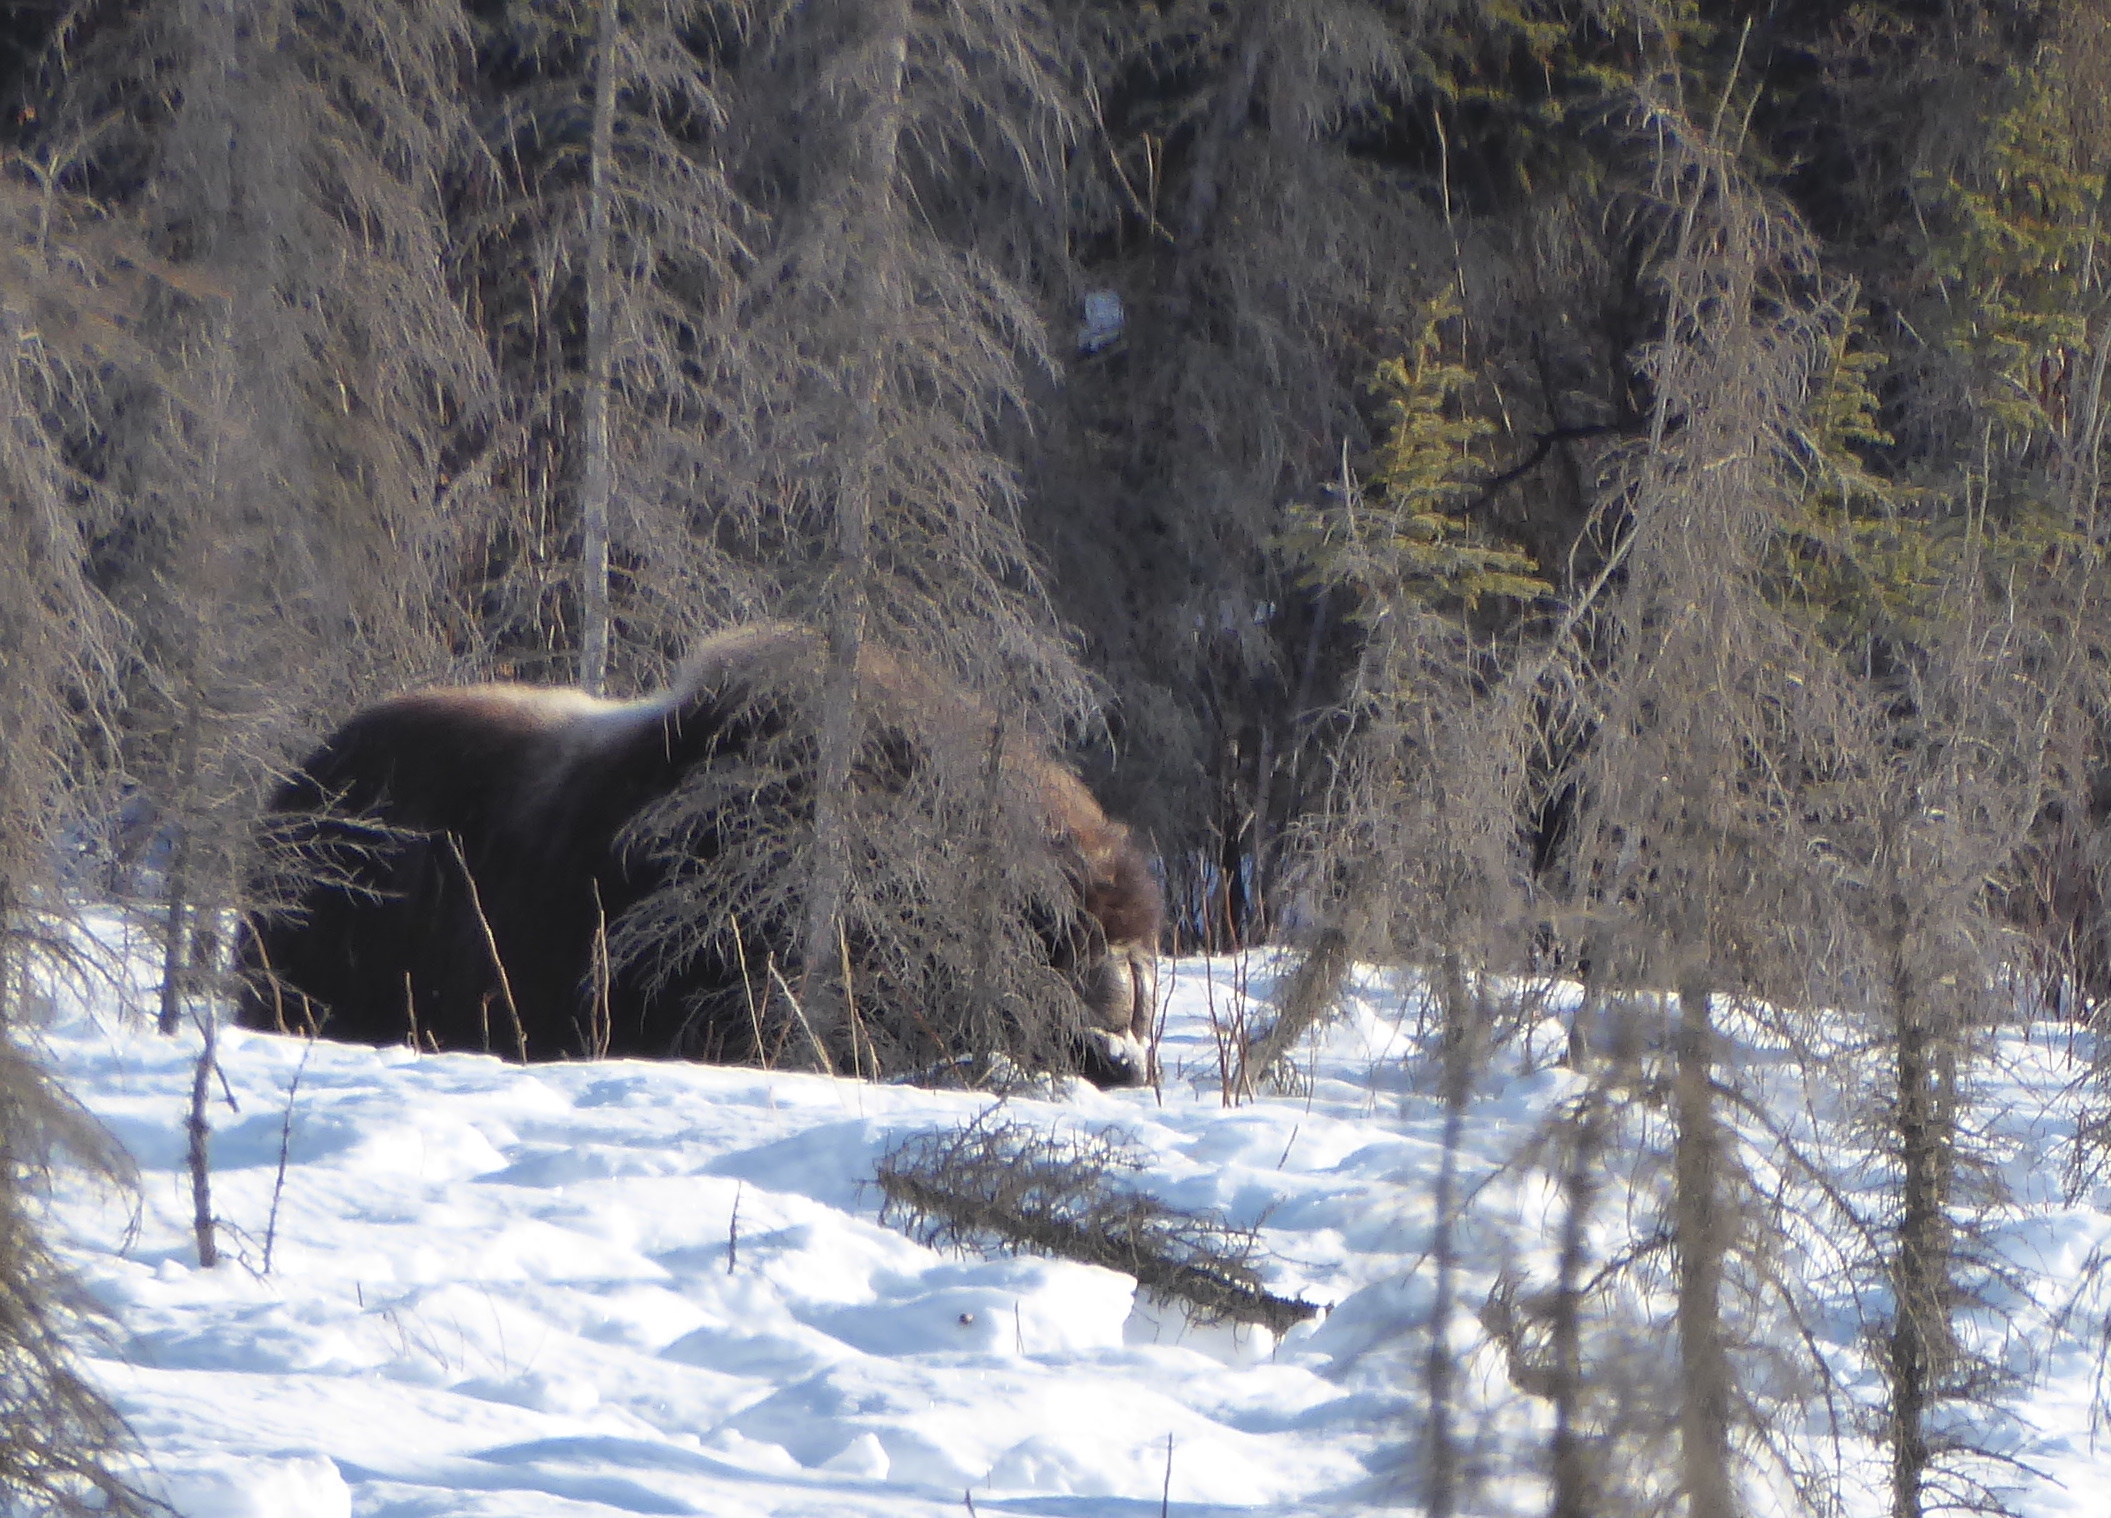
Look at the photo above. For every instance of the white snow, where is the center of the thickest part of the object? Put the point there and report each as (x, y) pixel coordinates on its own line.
(524, 1292)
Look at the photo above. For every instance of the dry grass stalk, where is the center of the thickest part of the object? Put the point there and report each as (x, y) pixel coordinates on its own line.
(498, 965)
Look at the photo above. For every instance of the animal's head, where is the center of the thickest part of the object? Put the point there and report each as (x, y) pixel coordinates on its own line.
(1120, 993)
(1112, 958)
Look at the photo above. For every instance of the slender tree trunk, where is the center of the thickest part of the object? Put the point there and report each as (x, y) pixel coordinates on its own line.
(1264, 916)
(598, 485)
(7, 935)
(1703, 1240)
(176, 897)
(1232, 903)
(176, 887)
(1227, 119)
(987, 868)
(834, 798)
(194, 556)
(1574, 1482)
(1572, 1477)
(1920, 1271)
(846, 597)
(1460, 1047)
(199, 1130)
(1256, 928)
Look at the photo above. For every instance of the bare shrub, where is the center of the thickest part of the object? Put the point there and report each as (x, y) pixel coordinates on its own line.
(63, 309)
(59, 1440)
(956, 921)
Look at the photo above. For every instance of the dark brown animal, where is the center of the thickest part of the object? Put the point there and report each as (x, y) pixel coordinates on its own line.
(468, 855)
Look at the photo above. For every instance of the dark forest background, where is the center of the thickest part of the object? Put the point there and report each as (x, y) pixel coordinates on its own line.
(1609, 488)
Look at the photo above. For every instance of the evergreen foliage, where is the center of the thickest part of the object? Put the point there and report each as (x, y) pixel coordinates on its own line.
(1415, 542)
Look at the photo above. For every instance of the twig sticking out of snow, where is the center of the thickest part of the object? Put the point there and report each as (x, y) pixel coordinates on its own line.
(278, 1184)
(1011, 1186)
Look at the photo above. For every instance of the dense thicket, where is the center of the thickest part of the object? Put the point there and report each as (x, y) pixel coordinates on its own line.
(1598, 486)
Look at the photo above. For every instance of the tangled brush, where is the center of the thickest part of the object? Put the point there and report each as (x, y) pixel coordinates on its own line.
(1007, 1185)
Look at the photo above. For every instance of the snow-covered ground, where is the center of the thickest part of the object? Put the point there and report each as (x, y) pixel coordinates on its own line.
(629, 1288)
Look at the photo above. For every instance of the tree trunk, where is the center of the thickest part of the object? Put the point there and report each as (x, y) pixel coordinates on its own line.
(1574, 1481)
(8, 998)
(176, 887)
(1920, 1271)
(987, 875)
(850, 548)
(198, 1128)
(1460, 1008)
(597, 486)
(1227, 120)
(1256, 923)
(1262, 929)
(834, 801)
(1703, 1240)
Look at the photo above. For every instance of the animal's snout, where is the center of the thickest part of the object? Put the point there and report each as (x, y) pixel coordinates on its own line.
(1121, 997)
(1114, 1059)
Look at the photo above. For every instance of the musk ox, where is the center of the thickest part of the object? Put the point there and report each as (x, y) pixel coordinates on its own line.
(542, 873)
